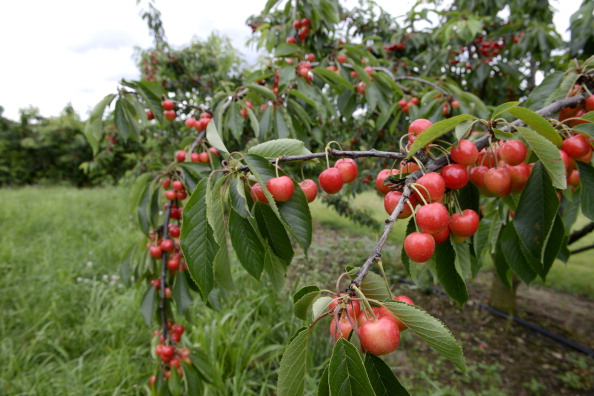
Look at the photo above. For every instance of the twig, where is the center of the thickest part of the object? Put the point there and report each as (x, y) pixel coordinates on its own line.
(582, 249)
(164, 275)
(579, 234)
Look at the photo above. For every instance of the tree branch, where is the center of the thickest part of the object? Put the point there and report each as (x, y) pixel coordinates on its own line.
(582, 249)
(579, 234)
(163, 276)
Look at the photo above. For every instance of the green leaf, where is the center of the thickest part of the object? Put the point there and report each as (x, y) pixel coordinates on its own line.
(332, 78)
(282, 129)
(94, 128)
(293, 365)
(253, 121)
(142, 205)
(213, 137)
(503, 108)
(536, 99)
(548, 154)
(463, 129)
(463, 260)
(557, 239)
(586, 172)
(285, 49)
(382, 377)
(373, 285)
(274, 232)
(181, 293)
(194, 385)
(265, 123)
(511, 246)
(294, 214)
(197, 240)
(276, 269)
(324, 386)
(302, 299)
(279, 147)
(247, 245)
(262, 91)
(430, 329)
(175, 385)
(503, 271)
(149, 305)
(234, 121)
(216, 218)
(502, 135)
(238, 198)
(452, 282)
(125, 119)
(536, 211)
(320, 306)
(152, 92)
(346, 373)
(538, 123)
(435, 131)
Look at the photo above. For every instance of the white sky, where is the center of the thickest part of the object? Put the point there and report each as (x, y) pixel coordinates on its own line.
(60, 51)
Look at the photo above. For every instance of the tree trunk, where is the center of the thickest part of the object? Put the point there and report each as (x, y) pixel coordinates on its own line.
(502, 297)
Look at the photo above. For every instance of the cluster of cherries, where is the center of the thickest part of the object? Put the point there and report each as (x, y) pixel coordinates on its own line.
(168, 353)
(570, 115)
(379, 332)
(303, 28)
(170, 114)
(203, 157)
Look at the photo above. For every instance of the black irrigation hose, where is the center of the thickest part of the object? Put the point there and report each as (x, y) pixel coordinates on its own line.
(531, 326)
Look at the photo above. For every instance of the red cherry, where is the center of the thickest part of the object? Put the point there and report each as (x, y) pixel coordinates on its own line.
(205, 115)
(281, 188)
(310, 188)
(402, 103)
(170, 195)
(195, 157)
(167, 245)
(586, 158)
(432, 218)
(169, 115)
(576, 146)
(407, 300)
(174, 230)
(201, 125)
(214, 151)
(244, 113)
(152, 381)
(464, 224)
(204, 158)
(519, 174)
(498, 181)
(418, 126)
(589, 104)
(381, 176)
(348, 169)
(574, 177)
(415, 101)
(391, 200)
(291, 40)
(513, 152)
(455, 104)
(353, 307)
(434, 185)
(181, 195)
(172, 264)
(156, 252)
(166, 183)
(361, 88)
(178, 185)
(257, 193)
(180, 156)
(442, 236)
(381, 336)
(191, 122)
(305, 22)
(419, 246)
(341, 58)
(465, 153)
(168, 104)
(477, 175)
(369, 70)
(150, 115)
(488, 157)
(455, 176)
(344, 329)
(177, 329)
(310, 57)
(331, 180)
(297, 24)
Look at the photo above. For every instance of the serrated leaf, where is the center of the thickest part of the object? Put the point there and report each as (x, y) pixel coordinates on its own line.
(382, 378)
(94, 128)
(372, 286)
(463, 129)
(238, 198)
(282, 128)
(536, 211)
(548, 154)
(536, 99)
(320, 306)
(247, 245)
(213, 137)
(181, 293)
(538, 123)
(324, 386)
(586, 172)
(303, 298)
(279, 147)
(197, 240)
(274, 232)
(430, 329)
(445, 259)
(463, 261)
(152, 92)
(175, 384)
(435, 131)
(503, 108)
(234, 121)
(216, 218)
(514, 257)
(293, 365)
(346, 373)
(276, 269)
(262, 90)
(332, 78)
(194, 385)
(285, 49)
(149, 305)
(253, 121)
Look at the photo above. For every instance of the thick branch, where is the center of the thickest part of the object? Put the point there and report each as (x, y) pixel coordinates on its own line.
(579, 234)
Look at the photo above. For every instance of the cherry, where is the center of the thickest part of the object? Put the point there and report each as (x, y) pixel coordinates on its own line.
(381, 176)
(513, 152)
(407, 300)
(348, 169)
(172, 264)
(291, 40)
(341, 58)
(297, 24)
(442, 236)
(310, 188)
(568, 162)
(379, 313)
(576, 146)
(180, 156)
(465, 153)
(455, 104)
(361, 88)
(152, 380)
(391, 200)
(455, 176)
(168, 104)
(178, 185)
(181, 195)
(257, 193)
(402, 103)
(519, 173)
(574, 177)
(331, 180)
(170, 195)
(344, 329)
(310, 57)
(202, 124)
(281, 188)
(464, 224)
(586, 158)
(498, 181)
(488, 157)
(434, 187)
(214, 151)
(204, 158)
(380, 336)
(477, 175)
(156, 252)
(191, 122)
(415, 101)
(195, 157)
(169, 115)
(150, 115)
(418, 126)
(589, 103)
(369, 70)
(353, 307)
(419, 246)
(167, 292)
(177, 329)
(432, 218)
(305, 23)
(166, 183)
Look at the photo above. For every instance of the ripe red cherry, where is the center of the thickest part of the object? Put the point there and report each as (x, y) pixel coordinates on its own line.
(168, 104)
(152, 381)
(305, 23)
(380, 337)
(419, 246)
(589, 104)
(418, 126)
(455, 104)
(156, 252)
(361, 88)
(465, 153)
(415, 101)
(173, 264)
(150, 115)
(195, 157)
(576, 146)
(177, 329)
(344, 329)
(381, 176)
(180, 156)
(369, 70)
(167, 245)
(310, 188)
(169, 115)
(513, 152)
(348, 169)
(257, 193)
(310, 57)
(519, 174)
(214, 151)
(341, 58)
(204, 158)
(166, 183)
(432, 218)
(434, 184)
(331, 180)
(455, 176)
(379, 312)
(181, 195)
(477, 175)
(170, 195)
(191, 122)
(291, 40)
(174, 230)
(586, 158)
(407, 300)
(391, 200)
(202, 124)
(178, 185)
(574, 177)
(281, 188)
(442, 236)
(402, 103)
(498, 181)
(353, 307)
(464, 224)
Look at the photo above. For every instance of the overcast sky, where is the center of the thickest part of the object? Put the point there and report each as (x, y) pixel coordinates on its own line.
(60, 51)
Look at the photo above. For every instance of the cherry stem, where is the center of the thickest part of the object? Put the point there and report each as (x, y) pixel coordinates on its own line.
(415, 186)
(381, 267)
(338, 282)
(364, 299)
(457, 203)
(276, 167)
